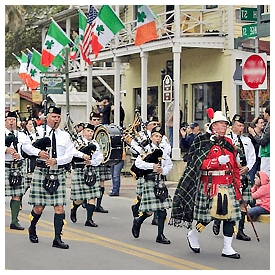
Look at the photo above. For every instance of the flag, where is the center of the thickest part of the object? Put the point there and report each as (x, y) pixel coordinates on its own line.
(82, 22)
(74, 49)
(17, 57)
(85, 46)
(146, 26)
(107, 24)
(57, 62)
(56, 39)
(23, 67)
(34, 70)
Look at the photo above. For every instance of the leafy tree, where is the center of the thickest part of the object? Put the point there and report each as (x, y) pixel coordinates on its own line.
(20, 32)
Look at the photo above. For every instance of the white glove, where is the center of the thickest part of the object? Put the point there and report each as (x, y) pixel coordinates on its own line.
(223, 159)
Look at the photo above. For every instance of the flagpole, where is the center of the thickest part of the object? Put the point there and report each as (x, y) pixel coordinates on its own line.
(67, 79)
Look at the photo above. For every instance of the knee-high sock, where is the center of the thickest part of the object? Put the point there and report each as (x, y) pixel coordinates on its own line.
(90, 210)
(161, 220)
(58, 224)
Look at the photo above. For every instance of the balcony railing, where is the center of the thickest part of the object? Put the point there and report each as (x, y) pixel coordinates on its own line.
(193, 23)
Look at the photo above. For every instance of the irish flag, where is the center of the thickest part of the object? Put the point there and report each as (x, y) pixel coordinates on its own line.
(17, 57)
(146, 26)
(34, 70)
(107, 24)
(23, 67)
(82, 21)
(56, 39)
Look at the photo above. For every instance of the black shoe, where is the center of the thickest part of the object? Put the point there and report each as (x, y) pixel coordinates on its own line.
(91, 223)
(32, 235)
(242, 236)
(73, 215)
(154, 222)
(134, 210)
(216, 227)
(136, 227)
(233, 256)
(16, 226)
(100, 209)
(162, 239)
(113, 194)
(59, 244)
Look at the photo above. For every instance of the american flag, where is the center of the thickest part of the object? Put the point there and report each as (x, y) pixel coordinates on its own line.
(86, 45)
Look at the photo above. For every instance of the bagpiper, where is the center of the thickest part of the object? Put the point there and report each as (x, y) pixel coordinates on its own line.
(209, 187)
(48, 186)
(85, 181)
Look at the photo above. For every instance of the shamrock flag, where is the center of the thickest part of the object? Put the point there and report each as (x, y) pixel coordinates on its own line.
(23, 67)
(146, 26)
(107, 24)
(56, 39)
(82, 21)
(57, 62)
(35, 68)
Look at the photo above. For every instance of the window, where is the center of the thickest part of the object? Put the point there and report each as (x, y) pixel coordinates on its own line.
(206, 95)
(210, 7)
(152, 100)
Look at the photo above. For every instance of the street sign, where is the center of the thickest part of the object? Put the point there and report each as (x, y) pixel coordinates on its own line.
(249, 30)
(167, 88)
(254, 72)
(249, 14)
(54, 84)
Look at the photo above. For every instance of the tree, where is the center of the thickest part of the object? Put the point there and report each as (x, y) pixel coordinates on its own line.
(20, 32)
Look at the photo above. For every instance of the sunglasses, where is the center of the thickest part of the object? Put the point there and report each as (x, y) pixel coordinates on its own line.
(154, 123)
(95, 119)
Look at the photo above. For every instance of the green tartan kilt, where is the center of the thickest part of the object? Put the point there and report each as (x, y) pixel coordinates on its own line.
(247, 194)
(80, 190)
(39, 196)
(149, 201)
(202, 212)
(19, 190)
(104, 172)
(140, 183)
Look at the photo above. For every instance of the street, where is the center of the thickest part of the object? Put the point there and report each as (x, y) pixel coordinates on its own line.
(111, 245)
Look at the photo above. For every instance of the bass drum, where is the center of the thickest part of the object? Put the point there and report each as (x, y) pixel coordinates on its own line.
(109, 138)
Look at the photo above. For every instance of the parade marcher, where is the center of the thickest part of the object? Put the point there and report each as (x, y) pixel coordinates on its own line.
(209, 187)
(48, 187)
(103, 170)
(264, 141)
(85, 180)
(150, 202)
(15, 141)
(165, 145)
(246, 158)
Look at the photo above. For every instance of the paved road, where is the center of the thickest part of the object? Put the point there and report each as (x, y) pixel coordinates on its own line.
(111, 246)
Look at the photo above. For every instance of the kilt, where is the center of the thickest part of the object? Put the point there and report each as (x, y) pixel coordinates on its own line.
(104, 172)
(39, 196)
(80, 190)
(202, 212)
(149, 201)
(140, 182)
(18, 190)
(247, 194)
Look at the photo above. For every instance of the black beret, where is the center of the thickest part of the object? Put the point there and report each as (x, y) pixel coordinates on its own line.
(237, 117)
(157, 130)
(11, 114)
(89, 126)
(55, 110)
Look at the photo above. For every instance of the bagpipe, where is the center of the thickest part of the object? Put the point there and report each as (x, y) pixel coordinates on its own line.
(77, 139)
(137, 132)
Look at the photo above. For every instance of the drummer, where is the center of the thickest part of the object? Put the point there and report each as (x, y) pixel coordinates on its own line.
(104, 171)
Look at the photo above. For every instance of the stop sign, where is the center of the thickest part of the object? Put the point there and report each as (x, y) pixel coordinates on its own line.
(254, 71)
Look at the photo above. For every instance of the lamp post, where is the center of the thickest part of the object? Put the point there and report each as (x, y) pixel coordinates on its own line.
(162, 102)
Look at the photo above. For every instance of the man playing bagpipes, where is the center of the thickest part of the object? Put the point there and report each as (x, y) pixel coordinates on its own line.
(14, 166)
(154, 195)
(85, 181)
(209, 187)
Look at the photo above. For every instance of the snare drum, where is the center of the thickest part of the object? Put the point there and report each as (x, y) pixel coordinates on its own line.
(109, 138)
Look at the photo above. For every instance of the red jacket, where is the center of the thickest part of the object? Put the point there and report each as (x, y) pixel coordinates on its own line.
(262, 193)
(211, 163)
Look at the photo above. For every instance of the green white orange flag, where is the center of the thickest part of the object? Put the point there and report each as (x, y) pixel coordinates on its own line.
(56, 39)
(146, 26)
(23, 67)
(82, 21)
(107, 24)
(17, 57)
(57, 62)
(34, 70)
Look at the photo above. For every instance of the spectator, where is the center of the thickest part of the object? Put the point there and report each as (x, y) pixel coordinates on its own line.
(115, 171)
(122, 115)
(261, 193)
(188, 137)
(264, 141)
(257, 125)
(106, 111)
